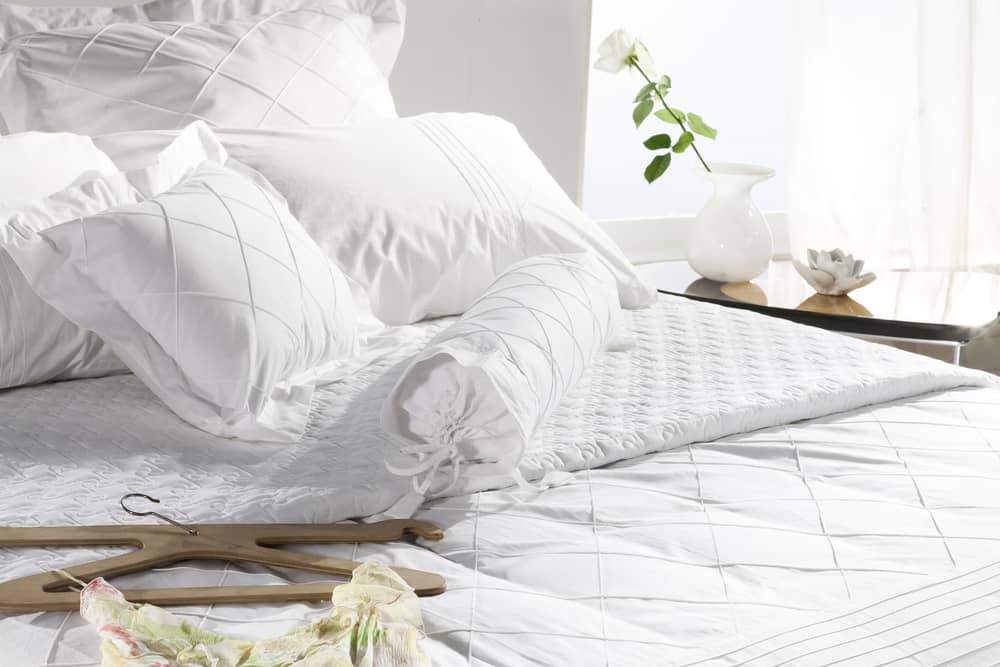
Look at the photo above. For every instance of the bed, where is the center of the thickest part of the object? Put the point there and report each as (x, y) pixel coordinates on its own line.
(720, 488)
(865, 535)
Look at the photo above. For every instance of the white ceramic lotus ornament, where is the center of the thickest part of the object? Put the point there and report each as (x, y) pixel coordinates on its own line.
(833, 272)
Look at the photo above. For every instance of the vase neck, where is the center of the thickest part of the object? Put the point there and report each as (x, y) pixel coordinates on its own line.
(733, 187)
(732, 178)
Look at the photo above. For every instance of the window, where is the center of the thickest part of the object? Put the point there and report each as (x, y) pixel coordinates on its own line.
(728, 62)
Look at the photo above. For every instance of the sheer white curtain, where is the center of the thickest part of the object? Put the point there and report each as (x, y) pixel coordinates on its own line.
(894, 144)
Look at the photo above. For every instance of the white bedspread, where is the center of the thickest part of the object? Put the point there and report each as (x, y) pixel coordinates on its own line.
(667, 558)
(714, 549)
(718, 551)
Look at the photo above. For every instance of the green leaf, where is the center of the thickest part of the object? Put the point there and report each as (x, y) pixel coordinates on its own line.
(683, 142)
(665, 81)
(698, 126)
(657, 142)
(657, 167)
(644, 92)
(642, 111)
(671, 118)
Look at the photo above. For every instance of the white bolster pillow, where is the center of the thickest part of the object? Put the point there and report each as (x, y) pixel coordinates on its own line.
(468, 405)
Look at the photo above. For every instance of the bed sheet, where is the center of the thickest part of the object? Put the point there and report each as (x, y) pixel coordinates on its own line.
(866, 536)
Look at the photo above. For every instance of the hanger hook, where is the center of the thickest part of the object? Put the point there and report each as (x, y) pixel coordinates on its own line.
(189, 529)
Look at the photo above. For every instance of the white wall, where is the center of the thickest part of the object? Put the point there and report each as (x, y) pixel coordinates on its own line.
(530, 61)
(524, 60)
(727, 60)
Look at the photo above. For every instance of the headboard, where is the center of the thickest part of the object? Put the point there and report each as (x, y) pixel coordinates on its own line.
(524, 60)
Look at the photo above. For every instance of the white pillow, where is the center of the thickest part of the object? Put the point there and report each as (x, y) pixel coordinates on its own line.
(424, 212)
(18, 19)
(211, 293)
(469, 404)
(315, 65)
(34, 165)
(38, 344)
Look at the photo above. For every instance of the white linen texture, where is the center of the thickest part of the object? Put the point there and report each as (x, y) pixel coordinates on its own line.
(211, 293)
(52, 178)
(19, 19)
(37, 164)
(467, 406)
(311, 66)
(698, 372)
(424, 212)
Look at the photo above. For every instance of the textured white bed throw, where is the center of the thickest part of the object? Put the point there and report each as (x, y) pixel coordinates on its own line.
(699, 372)
(68, 451)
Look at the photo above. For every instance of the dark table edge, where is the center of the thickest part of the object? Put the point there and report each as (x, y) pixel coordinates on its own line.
(870, 326)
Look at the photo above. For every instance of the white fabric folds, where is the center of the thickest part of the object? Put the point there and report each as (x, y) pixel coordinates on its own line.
(56, 178)
(51, 15)
(211, 293)
(471, 401)
(427, 211)
(313, 66)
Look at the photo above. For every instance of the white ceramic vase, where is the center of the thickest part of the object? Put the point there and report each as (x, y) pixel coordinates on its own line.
(731, 240)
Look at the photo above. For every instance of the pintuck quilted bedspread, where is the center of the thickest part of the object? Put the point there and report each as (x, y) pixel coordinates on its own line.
(866, 533)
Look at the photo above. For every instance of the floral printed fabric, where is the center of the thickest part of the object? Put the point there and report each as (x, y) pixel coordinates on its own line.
(375, 622)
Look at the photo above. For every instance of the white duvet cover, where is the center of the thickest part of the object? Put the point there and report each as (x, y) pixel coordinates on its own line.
(663, 559)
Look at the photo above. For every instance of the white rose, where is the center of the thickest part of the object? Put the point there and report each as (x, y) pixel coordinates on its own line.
(619, 50)
(614, 52)
(644, 60)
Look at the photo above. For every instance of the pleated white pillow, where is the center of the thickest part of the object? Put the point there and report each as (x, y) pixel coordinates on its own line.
(46, 179)
(470, 403)
(47, 15)
(424, 212)
(211, 293)
(312, 66)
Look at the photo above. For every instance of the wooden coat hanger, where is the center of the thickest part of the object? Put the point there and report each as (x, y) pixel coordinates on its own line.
(162, 545)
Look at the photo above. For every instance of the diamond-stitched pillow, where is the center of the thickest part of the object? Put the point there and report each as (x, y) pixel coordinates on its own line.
(470, 402)
(18, 19)
(49, 179)
(313, 66)
(212, 293)
(425, 211)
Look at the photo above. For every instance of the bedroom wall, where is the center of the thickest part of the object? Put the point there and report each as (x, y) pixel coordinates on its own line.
(524, 60)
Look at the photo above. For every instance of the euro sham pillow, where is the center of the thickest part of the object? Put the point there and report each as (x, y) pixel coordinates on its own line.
(211, 293)
(46, 179)
(311, 66)
(424, 212)
(471, 402)
(18, 19)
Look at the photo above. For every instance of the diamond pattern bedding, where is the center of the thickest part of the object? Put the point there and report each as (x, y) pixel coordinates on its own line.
(753, 549)
(471, 401)
(37, 343)
(211, 293)
(676, 556)
(312, 66)
(694, 553)
(18, 19)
